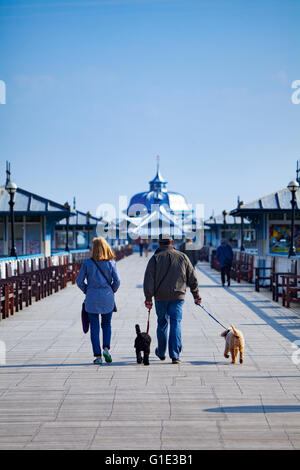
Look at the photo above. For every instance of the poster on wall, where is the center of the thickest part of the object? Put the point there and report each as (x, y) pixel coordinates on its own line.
(279, 238)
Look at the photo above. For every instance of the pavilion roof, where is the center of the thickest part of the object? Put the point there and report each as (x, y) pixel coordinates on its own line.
(28, 203)
(80, 218)
(219, 220)
(279, 201)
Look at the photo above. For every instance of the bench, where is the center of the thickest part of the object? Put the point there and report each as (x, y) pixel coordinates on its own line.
(7, 298)
(290, 289)
(242, 267)
(264, 273)
(277, 281)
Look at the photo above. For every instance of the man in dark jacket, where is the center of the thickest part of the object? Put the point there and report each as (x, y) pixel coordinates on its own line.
(167, 274)
(188, 249)
(224, 256)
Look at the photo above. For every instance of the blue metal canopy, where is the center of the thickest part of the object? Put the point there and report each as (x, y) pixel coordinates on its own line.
(279, 201)
(27, 203)
(219, 220)
(80, 218)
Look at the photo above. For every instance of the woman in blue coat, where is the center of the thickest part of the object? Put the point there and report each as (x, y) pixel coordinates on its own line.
(98, 279)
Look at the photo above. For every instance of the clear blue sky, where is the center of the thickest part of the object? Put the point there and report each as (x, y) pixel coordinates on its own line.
(96, 89)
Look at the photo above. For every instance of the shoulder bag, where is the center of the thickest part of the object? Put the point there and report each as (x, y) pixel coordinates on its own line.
(84, 319)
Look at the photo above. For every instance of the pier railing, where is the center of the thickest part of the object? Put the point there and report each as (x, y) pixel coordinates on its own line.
(37, 279)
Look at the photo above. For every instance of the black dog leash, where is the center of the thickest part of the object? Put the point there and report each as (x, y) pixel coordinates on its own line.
(212, 316)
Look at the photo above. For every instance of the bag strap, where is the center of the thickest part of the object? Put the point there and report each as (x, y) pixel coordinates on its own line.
(109, 283)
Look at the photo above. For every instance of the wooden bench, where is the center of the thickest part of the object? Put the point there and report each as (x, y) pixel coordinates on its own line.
(27, 285)
(244, 267)
(7, 299)
(263, 277)
(264, 273)
(277, 282)
(35, 281)
(290, 289)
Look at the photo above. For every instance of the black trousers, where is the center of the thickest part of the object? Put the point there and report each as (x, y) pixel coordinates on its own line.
(225, 271)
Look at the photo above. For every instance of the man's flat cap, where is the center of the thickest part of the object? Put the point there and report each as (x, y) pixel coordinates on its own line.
(165, 237)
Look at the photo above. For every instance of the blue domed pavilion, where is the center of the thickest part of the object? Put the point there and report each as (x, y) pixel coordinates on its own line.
(158, 210)
(158, 195)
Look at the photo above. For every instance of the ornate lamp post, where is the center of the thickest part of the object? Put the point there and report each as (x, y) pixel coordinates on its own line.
(293, 186)
(68, 207)
(242, 248)
(11, 188)
(224, 213)
(88, 215)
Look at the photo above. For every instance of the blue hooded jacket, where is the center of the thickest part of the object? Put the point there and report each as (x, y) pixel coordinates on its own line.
(99, 294)
(224, 255)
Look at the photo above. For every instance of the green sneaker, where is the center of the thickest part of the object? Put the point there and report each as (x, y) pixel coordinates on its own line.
(107, 356)
(98, 360)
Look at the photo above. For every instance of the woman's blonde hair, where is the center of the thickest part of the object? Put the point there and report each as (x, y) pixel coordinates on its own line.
(101, 250)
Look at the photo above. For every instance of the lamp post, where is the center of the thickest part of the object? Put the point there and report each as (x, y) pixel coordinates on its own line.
(88, 215)
(68, 207)
(240, 203)
(224, 222)
(11, 188)
(293, 186)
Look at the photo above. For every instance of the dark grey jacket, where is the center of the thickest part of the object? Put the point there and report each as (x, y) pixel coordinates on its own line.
(167, 274)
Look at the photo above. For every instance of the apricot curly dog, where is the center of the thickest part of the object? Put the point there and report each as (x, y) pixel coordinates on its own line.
(234, 344)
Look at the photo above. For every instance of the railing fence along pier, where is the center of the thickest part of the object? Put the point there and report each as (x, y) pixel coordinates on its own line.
(35, 279)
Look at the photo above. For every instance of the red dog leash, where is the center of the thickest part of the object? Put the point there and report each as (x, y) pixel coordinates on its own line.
(148, 324)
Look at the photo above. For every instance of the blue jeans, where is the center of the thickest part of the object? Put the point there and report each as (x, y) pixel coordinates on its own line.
(95, 331)
(169, 311)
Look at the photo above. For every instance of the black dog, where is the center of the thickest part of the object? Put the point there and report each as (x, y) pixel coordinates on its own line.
(142, 344)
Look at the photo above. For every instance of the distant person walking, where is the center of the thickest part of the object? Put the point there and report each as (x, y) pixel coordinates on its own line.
(141, 246)
(224, 256)
(146, 246)
(98, 280)
(167, 274)
(187, 247)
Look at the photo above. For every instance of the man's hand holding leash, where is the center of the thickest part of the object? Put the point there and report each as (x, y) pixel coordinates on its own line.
(198, 301)
(148, 304)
